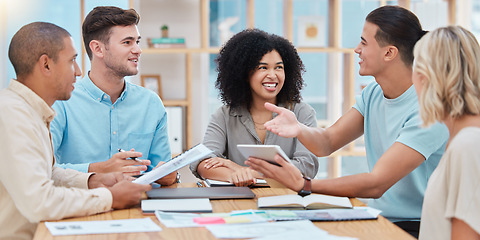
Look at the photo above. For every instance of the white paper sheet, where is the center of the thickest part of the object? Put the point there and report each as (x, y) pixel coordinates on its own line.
(101, 227)
(193, 154)
(177, 205)
(296, 235)
(252, 230)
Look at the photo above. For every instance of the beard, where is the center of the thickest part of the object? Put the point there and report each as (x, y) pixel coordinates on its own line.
(63, 92)
(118, 68)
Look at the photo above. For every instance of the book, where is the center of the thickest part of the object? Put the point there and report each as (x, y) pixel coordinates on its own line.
(168, 40)
(217, 183)
(168, 45)
(191, 155)
(265, 152)
(313, 201)
(177, 205)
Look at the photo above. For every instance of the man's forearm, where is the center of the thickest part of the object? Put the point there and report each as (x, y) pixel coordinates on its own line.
(358, 185)
(315, 140)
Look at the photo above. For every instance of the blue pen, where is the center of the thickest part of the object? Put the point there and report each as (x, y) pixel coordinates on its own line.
(132, 158)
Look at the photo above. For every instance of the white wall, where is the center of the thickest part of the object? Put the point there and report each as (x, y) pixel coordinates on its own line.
(3, 45)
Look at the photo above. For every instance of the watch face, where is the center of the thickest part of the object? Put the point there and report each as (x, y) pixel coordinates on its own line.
(304, 193)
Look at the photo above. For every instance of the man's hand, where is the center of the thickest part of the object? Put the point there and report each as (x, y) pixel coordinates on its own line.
(285, 124)
(120, 163)
(97, 180)
(126, 194)
(287, 174)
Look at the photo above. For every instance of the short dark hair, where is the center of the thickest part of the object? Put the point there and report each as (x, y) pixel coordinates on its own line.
(100, 20)
(240, 56)
(31, 42)
(399, 27)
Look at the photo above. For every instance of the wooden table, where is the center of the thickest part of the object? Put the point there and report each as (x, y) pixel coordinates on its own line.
(366, 229)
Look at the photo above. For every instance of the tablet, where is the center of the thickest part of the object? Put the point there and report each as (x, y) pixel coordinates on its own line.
(265, 152)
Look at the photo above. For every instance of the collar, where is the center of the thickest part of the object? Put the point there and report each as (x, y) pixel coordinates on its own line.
(96, 93)
(38, 104)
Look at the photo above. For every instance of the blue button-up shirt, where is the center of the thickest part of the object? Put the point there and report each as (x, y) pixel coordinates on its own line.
(88, 128)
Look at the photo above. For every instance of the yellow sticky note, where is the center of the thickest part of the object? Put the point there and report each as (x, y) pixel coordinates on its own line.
(237, 219)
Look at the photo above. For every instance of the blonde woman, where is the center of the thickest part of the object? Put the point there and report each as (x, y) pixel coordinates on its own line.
(447, 80)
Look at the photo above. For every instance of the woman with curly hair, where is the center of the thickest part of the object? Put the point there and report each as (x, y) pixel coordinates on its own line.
(448, 88)
(254, 67)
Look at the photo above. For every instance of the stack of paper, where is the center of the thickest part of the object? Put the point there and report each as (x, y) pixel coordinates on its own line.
(177, 205)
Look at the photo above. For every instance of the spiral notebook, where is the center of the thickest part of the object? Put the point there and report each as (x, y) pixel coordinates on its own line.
(357, 213)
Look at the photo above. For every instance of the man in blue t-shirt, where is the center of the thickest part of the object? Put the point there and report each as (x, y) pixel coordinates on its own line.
(106, 113)
(401, 154)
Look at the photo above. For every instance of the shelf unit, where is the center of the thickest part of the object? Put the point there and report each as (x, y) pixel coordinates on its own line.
(341, 92)
(333, 47)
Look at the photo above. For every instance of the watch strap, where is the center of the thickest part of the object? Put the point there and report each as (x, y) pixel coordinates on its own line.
(307, 187)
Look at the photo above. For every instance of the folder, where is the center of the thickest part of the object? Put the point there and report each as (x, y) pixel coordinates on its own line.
(175, 123)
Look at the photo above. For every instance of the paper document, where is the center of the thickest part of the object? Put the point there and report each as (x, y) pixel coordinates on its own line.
(362, 213)
(177, 205)
(251, 230)
(295, 235)
(101, 227)
(193, 154)
(176, 220)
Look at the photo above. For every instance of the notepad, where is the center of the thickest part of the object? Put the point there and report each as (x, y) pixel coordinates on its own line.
(177, 205)
(216, 183)
(313, 201)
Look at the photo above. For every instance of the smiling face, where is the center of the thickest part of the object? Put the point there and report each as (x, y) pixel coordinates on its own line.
(267, 79)
(370, 52)
(123, 51)
(65, 70)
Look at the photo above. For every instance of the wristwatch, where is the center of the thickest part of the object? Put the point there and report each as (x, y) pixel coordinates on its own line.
(307, 187)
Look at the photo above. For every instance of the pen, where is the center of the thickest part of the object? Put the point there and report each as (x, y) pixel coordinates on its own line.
(132, 158)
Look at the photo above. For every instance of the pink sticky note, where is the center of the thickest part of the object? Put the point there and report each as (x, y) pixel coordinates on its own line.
(209, 220)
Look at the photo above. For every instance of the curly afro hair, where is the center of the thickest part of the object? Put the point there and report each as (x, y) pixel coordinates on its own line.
(240, 56)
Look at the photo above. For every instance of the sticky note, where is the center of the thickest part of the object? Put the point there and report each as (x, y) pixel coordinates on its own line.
(237, 219)
(209, 220)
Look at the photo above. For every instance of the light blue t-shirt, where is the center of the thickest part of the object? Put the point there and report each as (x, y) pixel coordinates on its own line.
(387, 121)
(88, 128)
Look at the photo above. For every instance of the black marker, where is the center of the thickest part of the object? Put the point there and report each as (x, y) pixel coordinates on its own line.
(132, 158)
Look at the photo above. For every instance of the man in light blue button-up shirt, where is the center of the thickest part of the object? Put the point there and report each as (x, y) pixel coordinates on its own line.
(107, 113)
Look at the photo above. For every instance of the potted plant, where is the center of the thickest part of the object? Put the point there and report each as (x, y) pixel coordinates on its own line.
(164, 29)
